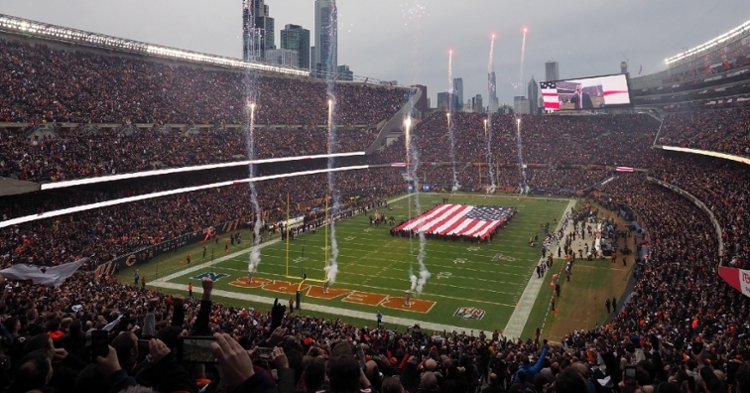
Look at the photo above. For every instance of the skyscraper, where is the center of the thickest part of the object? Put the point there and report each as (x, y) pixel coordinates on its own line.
(552, 71)
(493, 102)
(521, 105)
(443, 100)
(476, 104)
(257, 30)
(458, 93)
(533, 94)
(298, 39)
(284, 57)
(326, 37)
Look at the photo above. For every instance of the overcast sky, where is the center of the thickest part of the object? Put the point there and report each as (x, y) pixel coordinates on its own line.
(409, 40)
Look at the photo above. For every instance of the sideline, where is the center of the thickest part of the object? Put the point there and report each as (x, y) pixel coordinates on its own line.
(334, 311)
(520, 316)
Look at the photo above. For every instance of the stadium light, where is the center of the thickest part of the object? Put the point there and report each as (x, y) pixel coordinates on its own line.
(710, 44)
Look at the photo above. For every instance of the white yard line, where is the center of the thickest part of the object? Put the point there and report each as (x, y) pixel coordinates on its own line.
(520, 316)
(235, 254)
(334, 311)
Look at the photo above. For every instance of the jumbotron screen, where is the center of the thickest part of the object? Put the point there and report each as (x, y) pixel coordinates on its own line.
(586, 93)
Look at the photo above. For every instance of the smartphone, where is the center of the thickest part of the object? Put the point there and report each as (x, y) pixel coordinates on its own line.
(262, 353)
(99, 343)
(143, 347)
(630, 372)
(697, 347)
(195, 349)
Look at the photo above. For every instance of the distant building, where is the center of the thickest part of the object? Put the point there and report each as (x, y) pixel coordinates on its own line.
(552, 71)
(504, 108)
(344, 73)
(257, 30)
(297, 39)
(476, 104)
(493, 101)
(443, 101)
(284, 57)
(423, 103)
(458, 91)
(521, 105)
(533, 94)
(326, 37)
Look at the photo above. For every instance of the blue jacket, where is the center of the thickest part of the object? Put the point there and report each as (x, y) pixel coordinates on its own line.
(530, 370)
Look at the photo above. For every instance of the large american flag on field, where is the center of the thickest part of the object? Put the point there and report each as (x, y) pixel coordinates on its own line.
(549, 96)
(461, 220)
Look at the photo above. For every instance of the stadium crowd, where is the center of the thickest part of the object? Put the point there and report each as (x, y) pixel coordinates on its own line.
(656, 330)
(614, 140)
(104, 233)
(682, 328)
(719, 184)
(725, 131)
(44, 82)
(81, 153)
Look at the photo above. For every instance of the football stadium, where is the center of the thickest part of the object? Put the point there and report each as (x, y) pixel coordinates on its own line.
(181, 221)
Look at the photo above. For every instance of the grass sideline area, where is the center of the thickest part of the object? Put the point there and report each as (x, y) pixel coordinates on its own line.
(374, 267)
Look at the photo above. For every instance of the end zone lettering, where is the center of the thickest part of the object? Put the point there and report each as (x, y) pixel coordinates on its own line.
(213, 276)
(469, 313)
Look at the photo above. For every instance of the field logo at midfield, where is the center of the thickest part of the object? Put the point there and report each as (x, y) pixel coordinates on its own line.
(213, 276)
(347, 295)
(469, 313)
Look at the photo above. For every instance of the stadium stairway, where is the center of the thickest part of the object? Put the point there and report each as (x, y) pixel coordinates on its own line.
(395, 124)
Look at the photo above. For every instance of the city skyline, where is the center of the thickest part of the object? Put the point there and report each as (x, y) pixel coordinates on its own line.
(408, 41)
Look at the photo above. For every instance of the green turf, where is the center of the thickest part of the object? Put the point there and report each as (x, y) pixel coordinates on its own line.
(490, 277)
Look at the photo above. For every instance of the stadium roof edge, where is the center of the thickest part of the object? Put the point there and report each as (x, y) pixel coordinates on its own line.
(737, 31)
(45, 30)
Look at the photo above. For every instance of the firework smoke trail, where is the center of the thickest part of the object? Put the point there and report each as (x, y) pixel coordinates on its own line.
(521, 164)
(412, 164)
(407, 144)
(488, 123)
(332, 268)
(255, 253)
(450, 123)
(251, 99)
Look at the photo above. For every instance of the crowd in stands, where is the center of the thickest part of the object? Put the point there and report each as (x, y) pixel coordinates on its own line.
(683, 328)
(622, 140)
(104, 233)
(46, 83)
(655, 331)
(83, 153)
(726, 131)
(720, 185)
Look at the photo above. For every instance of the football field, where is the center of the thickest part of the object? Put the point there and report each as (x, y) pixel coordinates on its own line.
(471, 286)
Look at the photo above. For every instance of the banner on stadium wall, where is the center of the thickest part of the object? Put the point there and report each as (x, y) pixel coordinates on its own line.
(737, 278)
